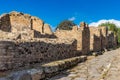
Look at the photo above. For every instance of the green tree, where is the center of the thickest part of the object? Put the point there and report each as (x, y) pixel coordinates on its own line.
(110, 26)
(65, 25)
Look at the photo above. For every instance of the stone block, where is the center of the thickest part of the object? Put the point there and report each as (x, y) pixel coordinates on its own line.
(37, 74)
(21, 75)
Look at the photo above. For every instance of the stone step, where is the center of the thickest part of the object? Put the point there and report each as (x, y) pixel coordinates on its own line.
(60, 65)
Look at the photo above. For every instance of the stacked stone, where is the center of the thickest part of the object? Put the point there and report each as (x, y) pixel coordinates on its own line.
(15, 54)
(7, 53)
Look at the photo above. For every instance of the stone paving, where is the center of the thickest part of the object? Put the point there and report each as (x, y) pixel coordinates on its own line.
(103, 67)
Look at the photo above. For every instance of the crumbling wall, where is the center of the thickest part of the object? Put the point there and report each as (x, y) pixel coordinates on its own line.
(88, 38)
(15, 54)
(19, 22)
(104, 32)
(71, 34)
(85, 38)
(81, 34)
(20, 43)
(47, 29)
(5, 24)
(26, 26)
(37, 24)
(16, 21)
(112, 40)
(95, 39)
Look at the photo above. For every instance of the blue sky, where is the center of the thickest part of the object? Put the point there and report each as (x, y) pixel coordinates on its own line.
(54, 11)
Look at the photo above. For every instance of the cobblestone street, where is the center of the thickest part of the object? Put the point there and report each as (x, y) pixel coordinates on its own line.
(103, 67)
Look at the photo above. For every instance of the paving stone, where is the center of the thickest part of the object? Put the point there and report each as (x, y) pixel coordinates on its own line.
(103, 67)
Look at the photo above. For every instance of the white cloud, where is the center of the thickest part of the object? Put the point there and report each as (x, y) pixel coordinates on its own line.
(116, 22)
(72, 18)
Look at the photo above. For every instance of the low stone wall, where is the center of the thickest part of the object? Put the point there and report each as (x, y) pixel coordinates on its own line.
(21, 53)
(45, 71)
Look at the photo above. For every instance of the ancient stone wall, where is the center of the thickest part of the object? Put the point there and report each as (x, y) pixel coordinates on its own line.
(5, 24)
(23, 42)
(95, 39)
(15, 54)
(16, 21)
(47, 29)
(37, 24)
(19, 22)
(85, 38)
(88, 38)
(111, 39)
(71, 34)
(104, 33)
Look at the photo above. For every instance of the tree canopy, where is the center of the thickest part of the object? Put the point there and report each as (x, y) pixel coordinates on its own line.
(110, 26)
(65, 25)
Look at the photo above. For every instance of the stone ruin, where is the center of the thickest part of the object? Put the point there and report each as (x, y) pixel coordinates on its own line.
(26, 40)
(89, 39)
(23, 25)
